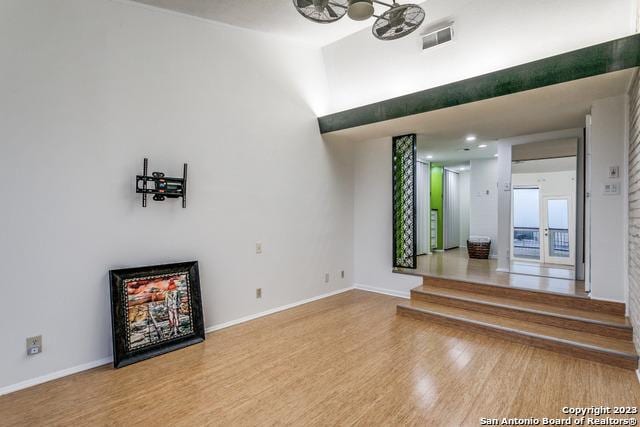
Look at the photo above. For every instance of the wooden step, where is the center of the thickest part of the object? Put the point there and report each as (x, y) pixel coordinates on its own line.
(611, 351)
(550, 298)
(604, 324)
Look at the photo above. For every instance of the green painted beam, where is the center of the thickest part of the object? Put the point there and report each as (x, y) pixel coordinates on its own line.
(591, 61)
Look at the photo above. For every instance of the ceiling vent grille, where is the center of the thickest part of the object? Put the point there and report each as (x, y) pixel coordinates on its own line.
(438, 37)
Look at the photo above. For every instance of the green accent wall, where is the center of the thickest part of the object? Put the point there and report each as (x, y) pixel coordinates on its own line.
(437, 182)
(591, 61)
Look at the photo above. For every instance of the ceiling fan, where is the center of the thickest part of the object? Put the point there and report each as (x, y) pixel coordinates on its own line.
(400, 20)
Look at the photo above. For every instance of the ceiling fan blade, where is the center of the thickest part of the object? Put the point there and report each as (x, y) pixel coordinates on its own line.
(303, 3)
(332, 13)
(382, 30)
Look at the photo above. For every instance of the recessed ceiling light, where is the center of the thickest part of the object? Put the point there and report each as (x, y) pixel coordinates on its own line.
(471, 138)
(429, 157)
(495, 155)
(482, 146)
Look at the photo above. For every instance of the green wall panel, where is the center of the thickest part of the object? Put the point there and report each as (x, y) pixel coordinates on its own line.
(602, 58)
(437, 183)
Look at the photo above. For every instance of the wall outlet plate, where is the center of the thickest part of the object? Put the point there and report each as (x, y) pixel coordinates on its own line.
(258, 293)
(342, 274)
(326, 277)
(258, 247)
(34, 345)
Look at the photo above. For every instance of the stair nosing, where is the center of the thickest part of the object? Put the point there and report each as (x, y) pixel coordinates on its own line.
(590, 347)
(529, 310)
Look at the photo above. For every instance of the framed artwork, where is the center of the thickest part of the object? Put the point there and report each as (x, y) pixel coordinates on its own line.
(155, 310)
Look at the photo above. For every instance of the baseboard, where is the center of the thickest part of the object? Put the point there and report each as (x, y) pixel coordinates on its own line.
(638, 374)
(273, 311)
(91, 365)
(391, 292)
(54, 376)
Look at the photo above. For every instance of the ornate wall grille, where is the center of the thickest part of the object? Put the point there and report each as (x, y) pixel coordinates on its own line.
(404, 201)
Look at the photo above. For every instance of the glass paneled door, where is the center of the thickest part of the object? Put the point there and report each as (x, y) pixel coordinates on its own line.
(558, 238)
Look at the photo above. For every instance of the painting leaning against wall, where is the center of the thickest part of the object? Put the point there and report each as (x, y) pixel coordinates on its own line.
(155, 310)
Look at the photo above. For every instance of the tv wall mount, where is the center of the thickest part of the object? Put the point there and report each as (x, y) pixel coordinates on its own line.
(161, 186)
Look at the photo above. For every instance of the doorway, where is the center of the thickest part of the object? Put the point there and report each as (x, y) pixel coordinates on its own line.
(543, 223)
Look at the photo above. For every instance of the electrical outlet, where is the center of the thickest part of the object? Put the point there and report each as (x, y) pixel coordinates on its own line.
(34, 345)
(258, 293)
(342, 274)
(258, 247)
(326, 277)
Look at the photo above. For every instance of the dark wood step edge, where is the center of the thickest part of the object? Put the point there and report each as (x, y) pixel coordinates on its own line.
(583, 324)
(550, 298)
(558, 345)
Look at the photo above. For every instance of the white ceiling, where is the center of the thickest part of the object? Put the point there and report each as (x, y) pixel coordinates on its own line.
(278, 17)
(451, 151)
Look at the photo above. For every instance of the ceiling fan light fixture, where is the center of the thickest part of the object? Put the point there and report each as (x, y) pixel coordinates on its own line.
(360, 10)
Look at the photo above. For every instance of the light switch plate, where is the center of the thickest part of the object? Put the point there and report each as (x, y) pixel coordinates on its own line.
(612, 189)
(258, 247)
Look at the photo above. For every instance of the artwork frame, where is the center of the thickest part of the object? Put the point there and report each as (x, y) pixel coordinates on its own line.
(155, 310)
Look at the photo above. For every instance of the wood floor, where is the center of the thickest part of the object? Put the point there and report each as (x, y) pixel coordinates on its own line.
(344, 360)
(544, 270)
(455, 264)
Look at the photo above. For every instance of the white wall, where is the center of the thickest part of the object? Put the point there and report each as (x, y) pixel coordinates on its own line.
(483, 218)
(464, 186)
(90, 87)
(373, 208)
(549, 183)
(489, 35)
(608, 213)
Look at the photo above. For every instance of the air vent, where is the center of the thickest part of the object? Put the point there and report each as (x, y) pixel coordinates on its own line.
(436, 38)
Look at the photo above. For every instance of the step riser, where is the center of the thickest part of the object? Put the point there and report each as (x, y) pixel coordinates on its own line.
(514, 313)
(540, 342)
(533, 296)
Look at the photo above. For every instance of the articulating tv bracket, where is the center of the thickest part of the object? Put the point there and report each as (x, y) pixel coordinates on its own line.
(160, 186)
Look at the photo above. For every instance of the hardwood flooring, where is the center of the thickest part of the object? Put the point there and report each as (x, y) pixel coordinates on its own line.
(544, 270)
(456, 265)
(343, 360)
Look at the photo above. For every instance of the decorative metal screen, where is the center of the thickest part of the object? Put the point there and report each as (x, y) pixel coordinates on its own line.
(404, 201)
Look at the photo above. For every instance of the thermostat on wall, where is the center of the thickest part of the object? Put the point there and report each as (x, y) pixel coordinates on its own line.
(614, 171)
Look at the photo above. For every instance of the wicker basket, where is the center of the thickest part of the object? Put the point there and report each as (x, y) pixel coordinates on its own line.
(479, 249)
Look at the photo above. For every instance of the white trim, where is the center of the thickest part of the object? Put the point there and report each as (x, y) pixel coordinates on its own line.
(383, 291)
(608, 300)
(54, 376)
(638, 374)
(85, 367)
(625, 202)
(273, 311)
